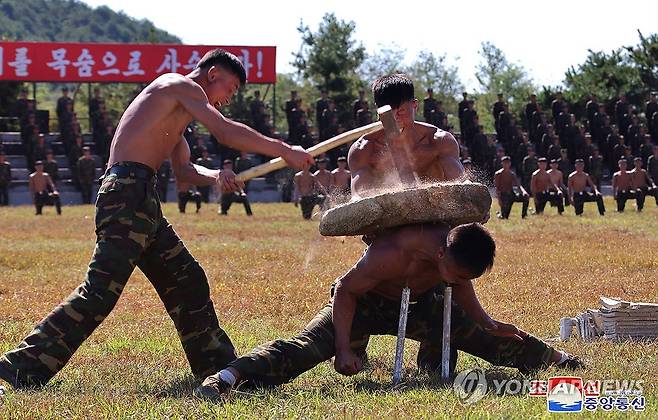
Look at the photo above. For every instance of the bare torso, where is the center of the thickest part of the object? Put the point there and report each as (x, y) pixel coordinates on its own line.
(39, 182)
(578, 181)
(556, 177)
(323, 177)
(541, 181)
(639, 178)
(622, 180)
(430, 155)
(304, 183)
(152, 125)
(340, 179)
(504, 181)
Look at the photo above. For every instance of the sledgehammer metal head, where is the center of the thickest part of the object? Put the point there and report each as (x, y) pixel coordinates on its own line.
(388, 121)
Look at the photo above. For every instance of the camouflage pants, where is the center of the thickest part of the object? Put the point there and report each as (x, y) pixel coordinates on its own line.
(131, 231)
(280, 361)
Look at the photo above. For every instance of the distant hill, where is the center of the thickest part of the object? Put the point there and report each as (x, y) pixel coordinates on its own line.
(74, 21)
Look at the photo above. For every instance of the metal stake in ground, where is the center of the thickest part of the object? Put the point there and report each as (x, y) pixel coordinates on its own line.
(402, 332)
(445, 353)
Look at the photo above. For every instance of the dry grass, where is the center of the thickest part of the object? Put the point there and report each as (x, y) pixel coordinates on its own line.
(270, 274)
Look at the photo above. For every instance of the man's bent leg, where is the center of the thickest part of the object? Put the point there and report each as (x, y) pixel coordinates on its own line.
(121, 237)
(183, 287)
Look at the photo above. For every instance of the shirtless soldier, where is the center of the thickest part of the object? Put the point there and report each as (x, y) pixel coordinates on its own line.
(543, 189)
(557, 178)
(131, 230)
(306, 195)
(341, 179)
(322, 175)
(577, 184)
(622, 188)
(421, 152)
(505, 180)
(366, 301)
(642, 182)
(43, 191)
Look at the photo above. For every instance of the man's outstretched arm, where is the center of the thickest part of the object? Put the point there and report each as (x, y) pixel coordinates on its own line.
(233, 134)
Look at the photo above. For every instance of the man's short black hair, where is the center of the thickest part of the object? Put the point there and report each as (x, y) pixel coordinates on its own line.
(226, 60)
(392, 89)
(472, 246)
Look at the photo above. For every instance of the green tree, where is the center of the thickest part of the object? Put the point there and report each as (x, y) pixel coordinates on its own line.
(329, 59)
(386, 60)
(606, 75)
(432, 71)
(645, 58)
(496, 74)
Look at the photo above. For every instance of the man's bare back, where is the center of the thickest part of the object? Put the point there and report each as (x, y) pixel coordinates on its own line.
(426, 154)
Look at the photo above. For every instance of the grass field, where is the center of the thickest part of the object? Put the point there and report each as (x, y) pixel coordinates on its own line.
(269, 275)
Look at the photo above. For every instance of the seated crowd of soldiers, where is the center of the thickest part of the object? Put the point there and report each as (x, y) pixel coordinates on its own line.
(626, 149)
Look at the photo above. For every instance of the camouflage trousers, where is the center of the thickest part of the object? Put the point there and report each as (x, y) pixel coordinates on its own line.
(131, 231)
(280, 361)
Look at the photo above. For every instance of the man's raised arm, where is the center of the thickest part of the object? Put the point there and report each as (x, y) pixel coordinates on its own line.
(233, 134)
(362, 177)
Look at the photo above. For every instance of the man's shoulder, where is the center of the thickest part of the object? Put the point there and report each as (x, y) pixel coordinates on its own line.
(363, 146)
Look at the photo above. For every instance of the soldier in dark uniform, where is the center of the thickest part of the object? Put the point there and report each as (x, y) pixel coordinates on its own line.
(595, 164)
(529, 166)
(62, 110)
(233, 197)
(440, 118)
(548, 140)
(290, 105)
(242, 163)
(621, 110)
(75, 152)
(320, 105)
(564, 165)
(646, 150)
(591, 108)
(479, 148)
(50, 166)
(632, 136)
(187, 192)
(95, 112)
(5, 179)
(429, 107)
(256, 106)
(469, 123)
(618, 145)
(86, 174)
(461, 107)
(597, 124)
(652, 165)
(163, 176)
(360, 104)
(498, 107)
(651, 107)
(530, 108)
(505, 129)
(329, 121)
(557, 106)
(206, 162)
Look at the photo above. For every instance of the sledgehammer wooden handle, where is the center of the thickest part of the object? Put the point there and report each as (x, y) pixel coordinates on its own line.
(316, 150)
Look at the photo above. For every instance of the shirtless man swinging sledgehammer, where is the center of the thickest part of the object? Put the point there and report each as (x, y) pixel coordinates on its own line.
(131, 230)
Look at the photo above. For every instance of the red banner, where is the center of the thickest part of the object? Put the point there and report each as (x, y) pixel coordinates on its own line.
(128, 63)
